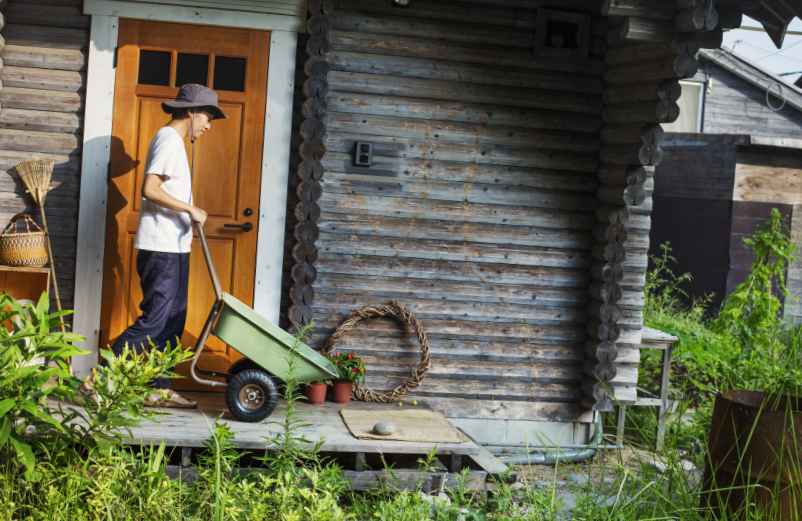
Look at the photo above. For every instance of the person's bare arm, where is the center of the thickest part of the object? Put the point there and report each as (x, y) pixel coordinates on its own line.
(152, 190)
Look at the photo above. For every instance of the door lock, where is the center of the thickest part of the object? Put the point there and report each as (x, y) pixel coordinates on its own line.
(244, 227)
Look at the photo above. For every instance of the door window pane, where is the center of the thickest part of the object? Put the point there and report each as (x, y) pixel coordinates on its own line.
(192, 68)
(229, 73)
(154, 67)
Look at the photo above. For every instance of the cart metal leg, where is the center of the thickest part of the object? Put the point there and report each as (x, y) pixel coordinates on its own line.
(201, 344)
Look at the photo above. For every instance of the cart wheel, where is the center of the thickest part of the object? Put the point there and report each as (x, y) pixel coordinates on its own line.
(251, 395)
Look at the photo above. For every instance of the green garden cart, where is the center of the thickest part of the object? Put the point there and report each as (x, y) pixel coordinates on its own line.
(252, 383)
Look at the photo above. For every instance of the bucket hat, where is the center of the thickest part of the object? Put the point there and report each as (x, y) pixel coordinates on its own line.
(193, 95)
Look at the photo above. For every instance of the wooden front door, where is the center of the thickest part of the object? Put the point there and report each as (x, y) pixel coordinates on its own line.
(153, 60)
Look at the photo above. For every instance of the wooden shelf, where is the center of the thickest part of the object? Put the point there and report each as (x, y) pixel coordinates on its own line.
(23, 282)
(25, 269)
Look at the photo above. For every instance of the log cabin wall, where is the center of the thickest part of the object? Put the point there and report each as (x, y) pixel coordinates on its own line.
(478, 209)
(651, 45)
(41, 101)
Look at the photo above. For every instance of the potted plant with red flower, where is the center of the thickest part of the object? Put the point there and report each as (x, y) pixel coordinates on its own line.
(350, 369)
(316, 392)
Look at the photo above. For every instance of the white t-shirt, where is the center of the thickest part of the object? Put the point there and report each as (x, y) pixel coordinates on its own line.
(162, 229)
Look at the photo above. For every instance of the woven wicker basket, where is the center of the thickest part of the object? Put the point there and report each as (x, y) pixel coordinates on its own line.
(23, 243)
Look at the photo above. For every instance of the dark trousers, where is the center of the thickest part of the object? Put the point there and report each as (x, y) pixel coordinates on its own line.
(164, 278)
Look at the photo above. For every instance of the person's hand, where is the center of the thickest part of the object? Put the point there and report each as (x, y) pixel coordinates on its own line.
(198, 215)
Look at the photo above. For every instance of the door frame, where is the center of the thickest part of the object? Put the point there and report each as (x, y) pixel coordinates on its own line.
(98, 115)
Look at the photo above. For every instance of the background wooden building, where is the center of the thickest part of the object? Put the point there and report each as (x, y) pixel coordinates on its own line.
(506, 199)
(715, 186)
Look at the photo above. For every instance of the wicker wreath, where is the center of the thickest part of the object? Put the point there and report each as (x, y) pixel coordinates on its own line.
(403, 316)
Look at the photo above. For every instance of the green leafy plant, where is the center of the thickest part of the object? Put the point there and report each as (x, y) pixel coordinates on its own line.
(751, 312)
(34, 370)
(350, 367)
(37, 386)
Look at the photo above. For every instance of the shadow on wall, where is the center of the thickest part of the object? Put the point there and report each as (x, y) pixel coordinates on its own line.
(61, 209)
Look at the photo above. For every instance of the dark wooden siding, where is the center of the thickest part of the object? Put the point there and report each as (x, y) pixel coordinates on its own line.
(43, 82)
(735, 106)
(478, 210)
(693, 207)
(711, 192)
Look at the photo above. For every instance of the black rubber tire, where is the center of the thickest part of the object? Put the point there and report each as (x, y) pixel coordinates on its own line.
(257, 380)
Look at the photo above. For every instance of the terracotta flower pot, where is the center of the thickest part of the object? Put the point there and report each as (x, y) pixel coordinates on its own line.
(316, 393)
(342, 391)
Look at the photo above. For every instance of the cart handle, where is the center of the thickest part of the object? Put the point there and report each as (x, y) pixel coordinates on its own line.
(213, 315)
(218, 292)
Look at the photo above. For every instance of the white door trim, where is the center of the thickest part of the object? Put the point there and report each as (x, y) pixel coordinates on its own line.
(164, 12)
(101, 76)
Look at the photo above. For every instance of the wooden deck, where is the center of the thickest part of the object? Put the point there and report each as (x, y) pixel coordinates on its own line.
(363, 460)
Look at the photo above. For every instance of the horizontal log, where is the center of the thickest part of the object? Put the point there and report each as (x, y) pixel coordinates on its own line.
(21, 119)
(35, 99)
(482, 35)
(401, 342)
(436, 308)
(66, 166)
(459, 133)
(612, 214)
(482, 114)
(443, 12)
(680, 67)
(612, 252)
(474, 233)
(651, 134)
(464, 271)
(44, 79)
(42, 36)
(632, 154)
(639, 29)
(429, 249)
(46, 15)
(655, 9)
(466, 153)
(603, 331)
(462, 92)
(472, 291)
(427, 170)
(637, 52)
(393, 53)
(470, 375)
(469, 330)
(605, 312)
(44, 57)
(623, 175)
(34, 141)
(660, 111)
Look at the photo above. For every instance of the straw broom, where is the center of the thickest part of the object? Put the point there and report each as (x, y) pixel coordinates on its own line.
(36, 175)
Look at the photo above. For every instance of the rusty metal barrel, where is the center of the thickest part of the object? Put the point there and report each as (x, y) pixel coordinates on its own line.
(755, 455)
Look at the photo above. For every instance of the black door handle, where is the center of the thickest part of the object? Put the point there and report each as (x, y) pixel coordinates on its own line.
(244, 227)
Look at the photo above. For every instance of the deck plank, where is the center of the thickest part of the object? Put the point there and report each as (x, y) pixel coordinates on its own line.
(192, 428)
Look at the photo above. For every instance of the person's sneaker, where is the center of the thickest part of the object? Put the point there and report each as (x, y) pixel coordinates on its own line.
(169, 398)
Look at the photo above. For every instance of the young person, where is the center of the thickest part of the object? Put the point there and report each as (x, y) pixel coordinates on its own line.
(164, 236)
